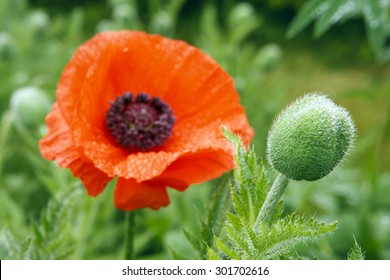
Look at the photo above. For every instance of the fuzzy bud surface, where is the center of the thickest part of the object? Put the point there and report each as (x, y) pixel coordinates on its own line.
(309, 138)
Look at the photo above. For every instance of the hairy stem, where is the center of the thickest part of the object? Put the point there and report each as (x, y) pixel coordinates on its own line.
(129, 235)
(272, 199)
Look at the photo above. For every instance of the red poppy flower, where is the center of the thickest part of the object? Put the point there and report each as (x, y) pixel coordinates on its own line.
(145, 109)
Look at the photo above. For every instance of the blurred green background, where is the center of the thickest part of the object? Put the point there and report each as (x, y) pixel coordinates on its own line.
(45, 212)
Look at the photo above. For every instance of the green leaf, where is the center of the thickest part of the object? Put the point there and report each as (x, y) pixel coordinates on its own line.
(235, 221)
(290, 232)
(5, 129)
(50, 238)
(211, 255)
(338, 10)
(240, 241)
(239, 205)
(196, 243)
(224, 248)
(356, 252)
(250, 186)
(215, 216)
(310, 10)
(216, 210)
(376, 19)
(327, 13)
(176, 255)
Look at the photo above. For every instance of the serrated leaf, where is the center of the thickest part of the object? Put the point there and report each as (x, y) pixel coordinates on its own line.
(277, 212)
(38, 237)
(226, 250)
(291, 231)
(356, 252)
(196, 243)
(250, 184)
(212, 224)
(211, 255)
(8, 242)
(216, 210)
(252, 238)
(239, 240)
(234, 220)
(50, 238)
(25, 250)
(239, 205)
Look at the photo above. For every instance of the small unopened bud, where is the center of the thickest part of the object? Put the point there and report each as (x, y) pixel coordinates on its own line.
(162, 23)
(38, 21)
(268, 57)
(125, 13)
(30, 106)
(309, 138)
(240, 13)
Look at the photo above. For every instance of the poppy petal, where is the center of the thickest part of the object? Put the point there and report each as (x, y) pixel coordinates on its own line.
(94, 180)
(130, 195)
(143, 166)
(57, 145)
(195, 168)
(118, 162)
(74, 76)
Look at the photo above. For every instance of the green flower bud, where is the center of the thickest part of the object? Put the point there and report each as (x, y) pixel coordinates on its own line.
(30, 106)
(309, 138)
(268, 57)
(38, 20)
(162, 23)
(240, 13)
(124, 13)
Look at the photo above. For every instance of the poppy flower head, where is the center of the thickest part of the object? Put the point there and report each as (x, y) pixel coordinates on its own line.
(140, 121)
(147, 110)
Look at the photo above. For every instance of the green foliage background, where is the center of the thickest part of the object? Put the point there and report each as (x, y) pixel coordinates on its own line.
(45, 212)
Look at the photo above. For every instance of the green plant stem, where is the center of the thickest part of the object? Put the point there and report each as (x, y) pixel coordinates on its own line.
(272, 199)
(129, 235)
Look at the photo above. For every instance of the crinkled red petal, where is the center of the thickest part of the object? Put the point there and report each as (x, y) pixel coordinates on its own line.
(131, 195)
(57, 145)
(193, 169)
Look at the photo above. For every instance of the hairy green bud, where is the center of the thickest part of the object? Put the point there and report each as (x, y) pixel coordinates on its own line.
(309, 138)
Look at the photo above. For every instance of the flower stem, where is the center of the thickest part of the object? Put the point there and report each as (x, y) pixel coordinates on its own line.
(129, 235)
(272, 199)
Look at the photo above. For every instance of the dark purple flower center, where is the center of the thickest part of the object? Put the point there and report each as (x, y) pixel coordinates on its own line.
(139, 122)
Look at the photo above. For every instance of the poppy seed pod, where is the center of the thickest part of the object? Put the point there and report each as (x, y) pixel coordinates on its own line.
(309, 138)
